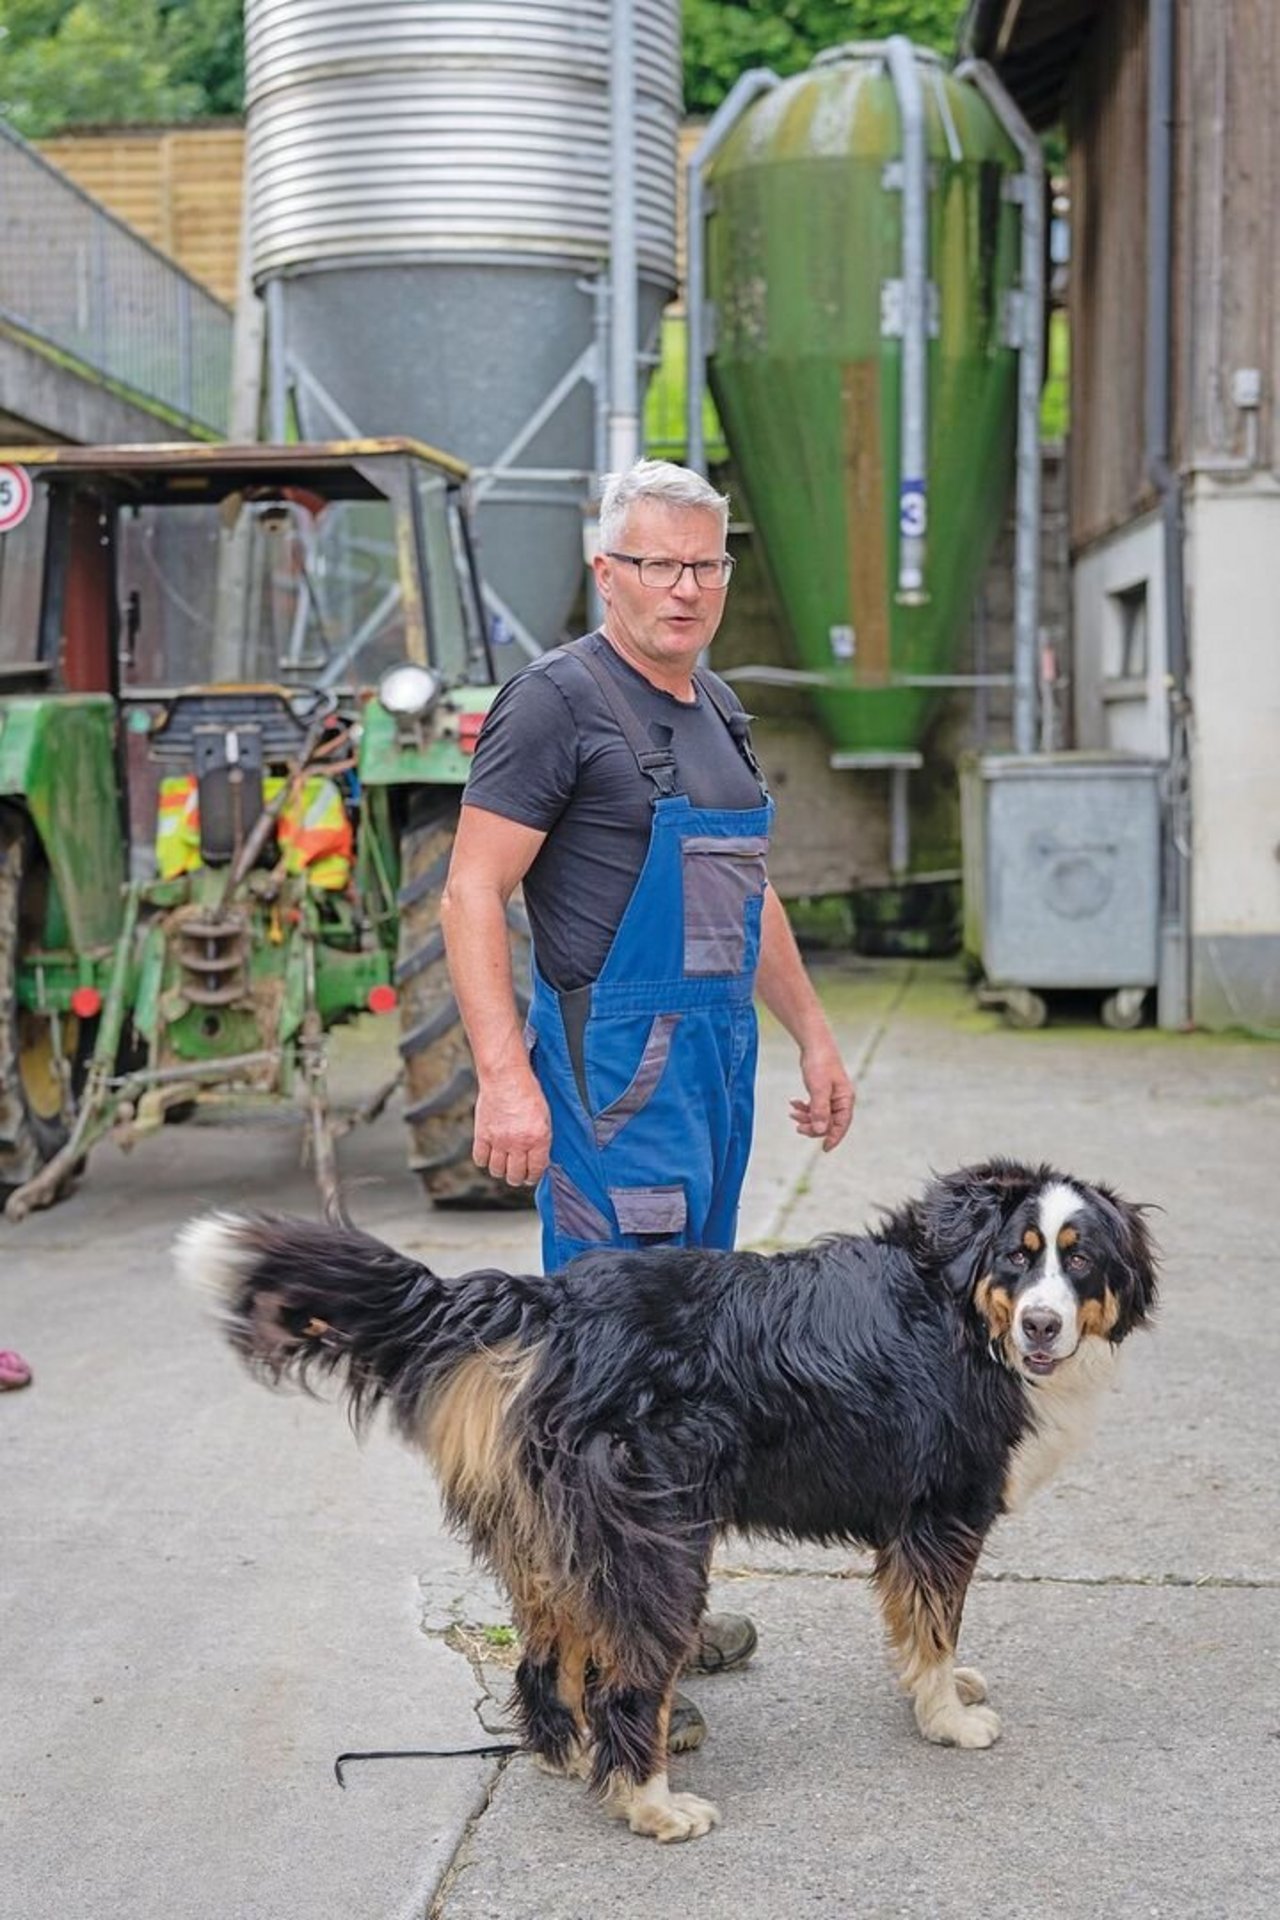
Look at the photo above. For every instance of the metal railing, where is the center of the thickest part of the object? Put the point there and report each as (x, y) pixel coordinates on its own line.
(77, 279)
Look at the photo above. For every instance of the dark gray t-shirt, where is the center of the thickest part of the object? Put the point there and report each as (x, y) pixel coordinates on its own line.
(551, 755)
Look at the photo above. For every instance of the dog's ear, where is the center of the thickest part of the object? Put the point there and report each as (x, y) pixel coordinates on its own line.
(1133, 1279)
(960, 1216)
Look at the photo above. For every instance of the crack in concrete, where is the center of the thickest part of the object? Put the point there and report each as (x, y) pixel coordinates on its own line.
(1230, 1581)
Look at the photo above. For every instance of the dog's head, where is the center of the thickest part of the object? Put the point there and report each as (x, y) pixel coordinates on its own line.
(1047, 1261)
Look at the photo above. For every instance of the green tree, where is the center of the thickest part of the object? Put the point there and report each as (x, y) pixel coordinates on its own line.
(206, 42)
(722, 38)
(67, 63)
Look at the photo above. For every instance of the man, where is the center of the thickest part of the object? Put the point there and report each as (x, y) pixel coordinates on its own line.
(614, 779)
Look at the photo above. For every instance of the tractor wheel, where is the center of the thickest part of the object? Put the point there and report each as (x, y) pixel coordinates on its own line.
(440, 1081)
(33, 1097)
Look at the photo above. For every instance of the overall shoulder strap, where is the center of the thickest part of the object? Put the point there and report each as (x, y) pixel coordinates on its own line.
(658, 764)
(738, 723)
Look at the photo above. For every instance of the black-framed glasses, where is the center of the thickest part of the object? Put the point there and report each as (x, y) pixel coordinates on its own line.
(712, 575)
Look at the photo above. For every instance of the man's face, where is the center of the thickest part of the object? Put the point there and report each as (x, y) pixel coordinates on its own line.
(664, 628)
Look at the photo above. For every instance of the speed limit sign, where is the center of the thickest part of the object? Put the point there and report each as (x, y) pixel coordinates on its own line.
(15, 497)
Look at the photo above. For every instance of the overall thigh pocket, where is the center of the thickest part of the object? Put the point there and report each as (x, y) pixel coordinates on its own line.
(651, 1215)
(720, 878)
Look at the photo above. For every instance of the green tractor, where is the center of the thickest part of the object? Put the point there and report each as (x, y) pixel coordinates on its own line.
(239, 689)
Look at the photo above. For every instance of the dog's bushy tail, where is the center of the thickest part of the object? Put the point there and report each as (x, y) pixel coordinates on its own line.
(299, 1301)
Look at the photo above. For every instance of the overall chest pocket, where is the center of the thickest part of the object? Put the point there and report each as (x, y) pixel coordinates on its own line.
(720, 878)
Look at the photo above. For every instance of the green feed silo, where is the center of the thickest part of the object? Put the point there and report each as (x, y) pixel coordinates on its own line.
(876, 525)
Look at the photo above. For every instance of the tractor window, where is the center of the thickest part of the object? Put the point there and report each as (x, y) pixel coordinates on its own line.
(325, 602)
(292, 589)
(167, 586)
(21, 574)
(448, 586)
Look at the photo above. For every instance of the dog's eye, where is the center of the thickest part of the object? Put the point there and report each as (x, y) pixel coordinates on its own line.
(1017, 1256)
(1077, 1263)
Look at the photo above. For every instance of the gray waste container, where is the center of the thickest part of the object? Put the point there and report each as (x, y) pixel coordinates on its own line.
(1062, 877)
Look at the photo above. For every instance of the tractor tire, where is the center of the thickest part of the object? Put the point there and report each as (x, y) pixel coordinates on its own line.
(33, 1121)
(440, 1080)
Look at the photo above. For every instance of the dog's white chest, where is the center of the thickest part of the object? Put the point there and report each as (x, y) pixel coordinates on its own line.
(1066, 1412)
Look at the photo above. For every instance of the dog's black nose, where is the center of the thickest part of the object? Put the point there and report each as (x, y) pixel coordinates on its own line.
(1041, 1325)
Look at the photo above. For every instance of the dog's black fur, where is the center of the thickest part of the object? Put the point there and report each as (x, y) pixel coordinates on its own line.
(873, 1388)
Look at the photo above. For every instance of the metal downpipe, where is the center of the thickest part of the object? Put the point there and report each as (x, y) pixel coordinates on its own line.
(745, 89)
(913, 472)
(624, 348)
(1026, 601)
(277, 365)
(1173, 995)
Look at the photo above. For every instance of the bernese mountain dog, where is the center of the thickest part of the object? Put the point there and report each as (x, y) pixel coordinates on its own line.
(594, 1430)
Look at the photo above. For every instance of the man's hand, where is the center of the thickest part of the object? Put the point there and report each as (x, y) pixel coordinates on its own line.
(828, 1111)
(513, 1130)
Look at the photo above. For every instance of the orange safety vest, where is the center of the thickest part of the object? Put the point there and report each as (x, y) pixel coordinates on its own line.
(315, 835)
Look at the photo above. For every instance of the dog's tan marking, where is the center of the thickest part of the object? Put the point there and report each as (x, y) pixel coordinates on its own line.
(923, 1622)
(1068, 1237)
(916, 1618)
(465, 1431)
(1032, 1241)
(1099, 1316)
(574, 1652)
(995, 1305)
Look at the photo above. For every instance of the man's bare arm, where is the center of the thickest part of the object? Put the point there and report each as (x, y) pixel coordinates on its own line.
(491, 856)
(788, 992)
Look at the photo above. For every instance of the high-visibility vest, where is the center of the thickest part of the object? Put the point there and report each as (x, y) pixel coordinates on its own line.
(314, 832)
(178, 826)
(315, 835)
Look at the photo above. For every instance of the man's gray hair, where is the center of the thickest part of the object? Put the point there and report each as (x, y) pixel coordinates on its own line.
(663, 482)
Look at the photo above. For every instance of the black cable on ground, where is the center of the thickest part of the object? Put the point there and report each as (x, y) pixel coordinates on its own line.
(425, 1753)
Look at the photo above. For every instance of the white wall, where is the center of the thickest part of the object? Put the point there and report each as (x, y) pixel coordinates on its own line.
(1233, 575)
(1232, 563)
(1114, 705)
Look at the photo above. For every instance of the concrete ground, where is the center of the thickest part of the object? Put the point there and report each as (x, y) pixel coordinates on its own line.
(207, 1591)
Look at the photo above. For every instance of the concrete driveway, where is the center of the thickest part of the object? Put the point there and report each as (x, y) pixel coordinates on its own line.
(207, 1591)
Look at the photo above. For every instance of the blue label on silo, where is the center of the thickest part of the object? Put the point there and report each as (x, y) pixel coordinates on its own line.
(913, 509)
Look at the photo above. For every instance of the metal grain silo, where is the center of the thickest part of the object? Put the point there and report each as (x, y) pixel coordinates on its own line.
(430, 197)
(866, 362)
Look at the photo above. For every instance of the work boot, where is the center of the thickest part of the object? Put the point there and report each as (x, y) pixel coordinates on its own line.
(686, 1728)
(725, 1641)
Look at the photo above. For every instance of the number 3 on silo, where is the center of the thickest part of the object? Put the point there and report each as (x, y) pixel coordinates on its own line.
(913, 511)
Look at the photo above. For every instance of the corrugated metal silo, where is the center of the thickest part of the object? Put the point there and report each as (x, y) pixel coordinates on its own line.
(430, 189)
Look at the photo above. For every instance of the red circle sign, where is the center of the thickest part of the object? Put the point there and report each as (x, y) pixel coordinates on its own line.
(15, 497)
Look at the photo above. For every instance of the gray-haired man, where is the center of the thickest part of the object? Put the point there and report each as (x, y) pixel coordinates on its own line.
(615, 780)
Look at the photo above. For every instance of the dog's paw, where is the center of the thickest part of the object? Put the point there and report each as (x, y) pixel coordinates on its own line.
(681, 1816)
(960, 1726)
(970, 1685)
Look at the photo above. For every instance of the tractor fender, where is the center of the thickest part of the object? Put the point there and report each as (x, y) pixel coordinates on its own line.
(57, 759)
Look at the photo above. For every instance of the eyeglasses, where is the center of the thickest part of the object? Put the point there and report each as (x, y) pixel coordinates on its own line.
(712, 575)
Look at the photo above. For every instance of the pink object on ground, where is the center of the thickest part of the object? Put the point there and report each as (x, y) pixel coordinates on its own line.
(14, 1371)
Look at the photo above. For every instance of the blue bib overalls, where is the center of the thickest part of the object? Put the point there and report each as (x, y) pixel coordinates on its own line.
(650, 1070)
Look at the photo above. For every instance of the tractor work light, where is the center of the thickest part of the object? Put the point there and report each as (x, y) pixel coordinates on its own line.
(409, 691)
